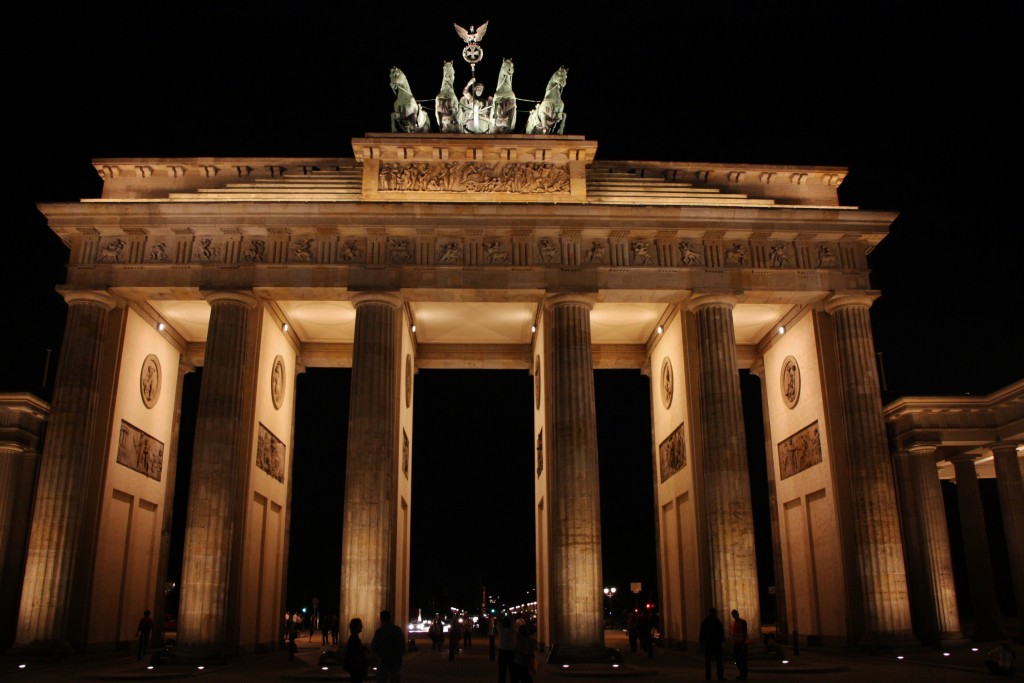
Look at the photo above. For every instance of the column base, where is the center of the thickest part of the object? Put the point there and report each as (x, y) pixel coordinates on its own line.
(875, 642)
(42, 650)
(191, 656)
(583, 654)
(988, 634)
(954, 642)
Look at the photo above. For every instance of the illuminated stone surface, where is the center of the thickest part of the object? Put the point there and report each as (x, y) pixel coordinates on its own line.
(368, 553)
(879, 544)
(210, 566)
(575, 523)
(929, 563)
(49, 606)
(730, 517)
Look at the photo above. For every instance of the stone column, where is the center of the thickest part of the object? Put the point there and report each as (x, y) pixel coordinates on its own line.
(64, 473)
(729, 513)
(218, 463)
(1011, 501)
(929, 563)
(979, 562)
(371, 468)
(575, 504)
(876, 525)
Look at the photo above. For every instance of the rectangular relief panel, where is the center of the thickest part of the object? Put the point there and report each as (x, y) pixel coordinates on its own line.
(800, 451)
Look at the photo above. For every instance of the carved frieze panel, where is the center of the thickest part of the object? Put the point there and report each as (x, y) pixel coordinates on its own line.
(547, 250)
(496, 252)
(672, 453)
(400, 250)
(254, 250)
(208, 250)
(780, 255)
(113, 251)
(690, 253)
(473, 177)
(351, 250)
(800, 451)
(405, 453)
(160, 251)
(270, 453)
(450, 252)
(596, 253)
(737, 254)
(540, 452)
(826, 256)
(642, 252)
(139, 451)
(302, 250)
(408, 380)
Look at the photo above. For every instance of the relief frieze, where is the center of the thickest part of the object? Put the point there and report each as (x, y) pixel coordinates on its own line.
(270, 452)
(800, 451)
(139, 451)
(473, 176)
(672, 453)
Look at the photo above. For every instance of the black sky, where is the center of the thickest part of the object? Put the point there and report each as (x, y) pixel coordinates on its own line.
(920, 104)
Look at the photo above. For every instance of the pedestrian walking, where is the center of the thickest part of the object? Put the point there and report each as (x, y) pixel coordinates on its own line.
(389, 646)
(506, 647)
(712, 635)
(739, 643)
(355, 662)
(145, 632)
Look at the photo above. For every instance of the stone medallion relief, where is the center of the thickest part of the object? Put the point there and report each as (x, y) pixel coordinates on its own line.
(408, 380)
(277, 383)
(790, 382)
(149, 381)
(667, 382)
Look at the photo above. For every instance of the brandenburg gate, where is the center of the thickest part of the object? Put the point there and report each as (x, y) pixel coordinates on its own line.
(428, 250)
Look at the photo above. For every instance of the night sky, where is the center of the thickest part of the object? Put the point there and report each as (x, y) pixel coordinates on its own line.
(920, 106)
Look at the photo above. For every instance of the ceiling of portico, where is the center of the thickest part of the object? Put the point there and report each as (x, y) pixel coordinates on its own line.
(469, 322)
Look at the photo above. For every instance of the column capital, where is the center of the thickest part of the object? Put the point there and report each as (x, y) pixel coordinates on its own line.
(587, 299)
(845, 299)
(93, 296)
(1002, 446)
(393, 299)
(963, 458)
(922, 448)
(214, 296)
(700, 300)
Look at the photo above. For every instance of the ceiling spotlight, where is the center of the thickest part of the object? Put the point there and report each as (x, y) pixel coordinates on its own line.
(414, 329)
(782, 329)
(660, 329)
(285, 327)
(533, 329)
(161, 326)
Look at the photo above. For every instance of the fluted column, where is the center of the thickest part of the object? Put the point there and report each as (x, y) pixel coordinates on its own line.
(729, 512)
(218, 461)
(1011, 501)
(575, 522)
(371, 468)
(979, 562)
(879, 545)
(60, 501)
(929, 563)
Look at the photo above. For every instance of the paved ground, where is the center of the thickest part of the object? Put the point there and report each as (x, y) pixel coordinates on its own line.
(923, 665)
